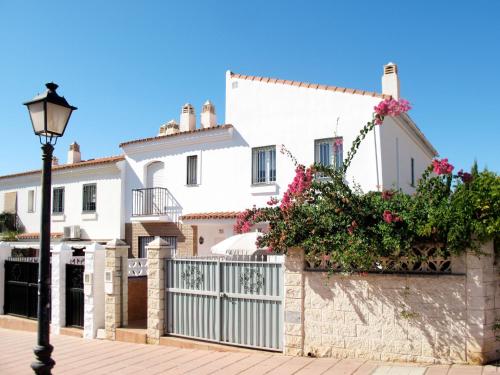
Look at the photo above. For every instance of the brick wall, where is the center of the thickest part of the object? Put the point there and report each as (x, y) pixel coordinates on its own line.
(422, 318)
(187, 236)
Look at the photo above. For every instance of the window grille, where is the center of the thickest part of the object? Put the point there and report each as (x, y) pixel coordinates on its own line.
(58, 200)
(264, 165)
(329, 152)
(192, 172)
(145, 240)
(89, 197)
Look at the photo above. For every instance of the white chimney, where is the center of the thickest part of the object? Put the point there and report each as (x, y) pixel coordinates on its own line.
(55, 161)
(208, 117)
(188, 118)
(390, 80)
(74, 155)
(171, 127)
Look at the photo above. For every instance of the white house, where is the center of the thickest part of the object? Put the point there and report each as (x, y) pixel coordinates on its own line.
(86, 198)
(208, 174)
(187, 183)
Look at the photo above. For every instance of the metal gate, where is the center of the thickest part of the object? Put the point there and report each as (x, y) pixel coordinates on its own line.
(230, 301)
(74, 294)
(21, 286)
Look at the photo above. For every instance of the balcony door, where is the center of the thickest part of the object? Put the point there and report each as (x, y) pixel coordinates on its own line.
(154, 183)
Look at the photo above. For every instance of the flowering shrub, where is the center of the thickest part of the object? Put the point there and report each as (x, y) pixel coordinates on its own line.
(333, 221)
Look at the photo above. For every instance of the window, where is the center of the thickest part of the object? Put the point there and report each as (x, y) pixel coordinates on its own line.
(329, 152)
(192, 170)
(412, 163)
(89, 197)
(58, 200)
(144, 240)
(264, 165)
(31, 200)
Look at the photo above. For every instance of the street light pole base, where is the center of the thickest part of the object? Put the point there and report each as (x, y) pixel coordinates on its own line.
(44, 363)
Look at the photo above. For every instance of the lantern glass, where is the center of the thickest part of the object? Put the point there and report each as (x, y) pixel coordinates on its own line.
(37, 117)
(57, 119)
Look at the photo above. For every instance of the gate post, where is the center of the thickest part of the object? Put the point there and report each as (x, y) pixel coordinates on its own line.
(116, 287)
(93, 290)
(157, 251)
(61, 254)
(5, 252)
(294, 302)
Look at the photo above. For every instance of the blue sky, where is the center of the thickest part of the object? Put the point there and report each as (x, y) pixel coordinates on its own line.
(129, 66)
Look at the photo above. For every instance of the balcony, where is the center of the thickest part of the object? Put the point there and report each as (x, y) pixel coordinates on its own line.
(154, 204)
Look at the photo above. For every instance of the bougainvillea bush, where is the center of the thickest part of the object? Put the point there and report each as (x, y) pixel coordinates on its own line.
(332, 220)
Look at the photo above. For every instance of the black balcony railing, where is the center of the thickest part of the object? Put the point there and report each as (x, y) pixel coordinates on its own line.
(155, 201)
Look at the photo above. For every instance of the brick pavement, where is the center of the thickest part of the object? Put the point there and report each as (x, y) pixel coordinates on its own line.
(78, 356)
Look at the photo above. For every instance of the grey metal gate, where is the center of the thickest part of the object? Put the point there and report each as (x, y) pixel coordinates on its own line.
(230, 301)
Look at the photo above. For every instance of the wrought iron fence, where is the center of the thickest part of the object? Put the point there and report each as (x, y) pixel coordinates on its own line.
(155, 202)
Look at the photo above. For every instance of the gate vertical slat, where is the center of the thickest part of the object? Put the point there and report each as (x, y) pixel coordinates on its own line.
(219, 300)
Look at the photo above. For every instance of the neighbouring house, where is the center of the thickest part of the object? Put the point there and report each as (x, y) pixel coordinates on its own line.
(188, 182)
(86, 199)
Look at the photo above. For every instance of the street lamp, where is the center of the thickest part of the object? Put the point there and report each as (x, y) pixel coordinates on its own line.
(49, 115)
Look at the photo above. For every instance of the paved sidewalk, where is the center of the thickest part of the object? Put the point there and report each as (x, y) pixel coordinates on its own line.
(79, 356)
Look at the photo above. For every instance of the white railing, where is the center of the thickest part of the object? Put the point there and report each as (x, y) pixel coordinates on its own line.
(137, 267)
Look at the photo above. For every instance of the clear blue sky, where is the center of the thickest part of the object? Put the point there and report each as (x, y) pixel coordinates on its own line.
(130, 65)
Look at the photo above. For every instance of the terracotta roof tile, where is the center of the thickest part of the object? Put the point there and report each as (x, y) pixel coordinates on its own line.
(86, 163)
(211, 215)
(311, 85)
(35, 236)
(225, 126)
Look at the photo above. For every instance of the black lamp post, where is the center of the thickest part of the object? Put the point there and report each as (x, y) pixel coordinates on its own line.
(49, 115)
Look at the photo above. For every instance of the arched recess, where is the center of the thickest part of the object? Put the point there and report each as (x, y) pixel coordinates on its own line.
(155, 174)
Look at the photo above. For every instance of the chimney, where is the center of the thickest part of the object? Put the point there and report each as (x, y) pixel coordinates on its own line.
(208, 117)
(74, 155)
(188, 118)
(169, 128)
(55, 161)
(390, 80)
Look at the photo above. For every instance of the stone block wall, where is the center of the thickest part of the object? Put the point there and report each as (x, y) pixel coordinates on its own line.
(187, 236)
(417, 318)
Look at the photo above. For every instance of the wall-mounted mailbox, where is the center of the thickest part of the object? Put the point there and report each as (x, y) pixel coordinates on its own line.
(108, 282)
(87, 284)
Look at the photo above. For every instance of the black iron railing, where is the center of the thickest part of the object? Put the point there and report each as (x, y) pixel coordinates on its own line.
(154, 202)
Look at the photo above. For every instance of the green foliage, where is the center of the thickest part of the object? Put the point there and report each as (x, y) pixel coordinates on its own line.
(333, 221)
(7, 222)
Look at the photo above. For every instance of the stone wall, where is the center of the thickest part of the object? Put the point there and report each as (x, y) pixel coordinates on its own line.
(186, 236)
(417, 318)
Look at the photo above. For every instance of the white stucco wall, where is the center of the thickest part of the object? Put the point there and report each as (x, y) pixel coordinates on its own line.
(106, 224)
(399, 145)
(276, 113)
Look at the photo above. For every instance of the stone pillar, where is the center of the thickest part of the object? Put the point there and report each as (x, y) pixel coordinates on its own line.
(116, 287)
(482, 280)
(93, 290)
(157, 250)
(293, 343)
(61, 255)
(5, 252)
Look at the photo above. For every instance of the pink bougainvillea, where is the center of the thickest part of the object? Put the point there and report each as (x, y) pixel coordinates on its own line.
(245, 220)
(390, 217)
(301, 182)
(387, 195)
(390, 107)
(442, 166)
(466, 177)
(273, 201)
(352, 227)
